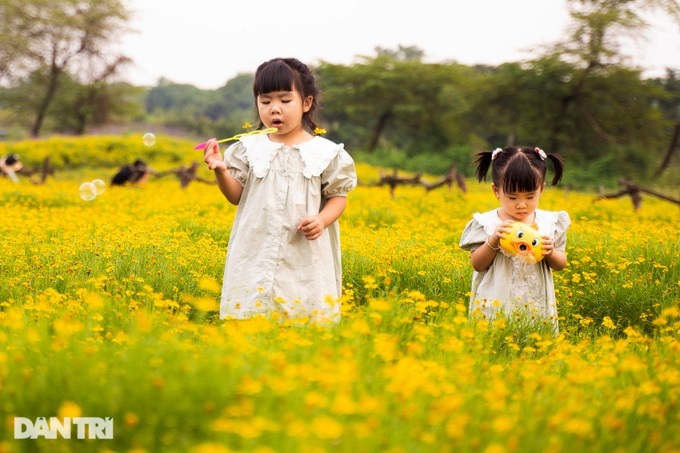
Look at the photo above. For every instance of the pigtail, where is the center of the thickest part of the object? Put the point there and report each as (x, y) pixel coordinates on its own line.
(558, 165)
(483, 163)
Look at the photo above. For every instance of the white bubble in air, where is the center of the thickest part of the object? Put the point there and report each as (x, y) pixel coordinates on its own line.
(149, 139)
(99, 185)
(88, 191)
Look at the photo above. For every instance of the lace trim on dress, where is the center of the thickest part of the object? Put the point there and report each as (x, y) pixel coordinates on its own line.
(317, 154)
(339, 191)
(260, 152)
(240, 177)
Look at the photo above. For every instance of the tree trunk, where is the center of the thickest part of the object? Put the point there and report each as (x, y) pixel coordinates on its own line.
(378, 130)
(671, 149)
(81, 120)
(575, 95)
(52, 84)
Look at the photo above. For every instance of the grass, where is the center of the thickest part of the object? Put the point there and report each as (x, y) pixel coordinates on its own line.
(108, 309)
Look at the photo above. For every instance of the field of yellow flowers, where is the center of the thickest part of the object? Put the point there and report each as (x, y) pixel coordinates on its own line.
(108, 309)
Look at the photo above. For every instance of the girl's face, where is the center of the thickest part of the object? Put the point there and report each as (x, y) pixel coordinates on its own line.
(518, 206)
(283, 110)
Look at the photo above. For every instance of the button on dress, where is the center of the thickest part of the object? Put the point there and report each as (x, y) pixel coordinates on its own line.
(271, 269)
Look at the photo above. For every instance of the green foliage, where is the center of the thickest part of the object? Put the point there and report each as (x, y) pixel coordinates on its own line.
(202, 112)
(669, 101)
(607, 169)
(70, 153)
(56, 37)
(395, 110)
(426, 161)
(425, 112)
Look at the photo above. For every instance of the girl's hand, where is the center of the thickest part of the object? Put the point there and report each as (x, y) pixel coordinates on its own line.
(548, 246)
(311, 227)
(556, 259)
(212, 155)
(501, 231)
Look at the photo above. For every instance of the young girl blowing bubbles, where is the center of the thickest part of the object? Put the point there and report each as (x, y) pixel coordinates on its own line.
(290, 187)
(501, 282)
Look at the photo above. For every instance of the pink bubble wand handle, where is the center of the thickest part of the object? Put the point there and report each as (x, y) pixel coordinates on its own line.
(268, 130)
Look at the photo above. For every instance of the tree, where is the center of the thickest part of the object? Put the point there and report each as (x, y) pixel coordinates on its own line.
(593, 47)
(670, 106)
(170, 96)
(236, 99)
(58, 36)
(395, 99)
(402, 53)
(214, 112)
(522, 102)
(77, 107)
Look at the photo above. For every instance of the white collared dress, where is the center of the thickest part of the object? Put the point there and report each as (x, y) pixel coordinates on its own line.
(271, 268)
(509, 284)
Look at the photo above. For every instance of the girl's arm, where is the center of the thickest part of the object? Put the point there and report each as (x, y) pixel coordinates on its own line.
(556, 259)
(229, 186)
(313, 226)
(484, 255)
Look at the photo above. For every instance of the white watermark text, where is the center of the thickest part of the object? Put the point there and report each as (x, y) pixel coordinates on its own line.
(56, 428)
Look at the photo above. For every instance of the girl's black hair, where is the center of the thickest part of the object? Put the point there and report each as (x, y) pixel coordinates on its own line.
(517, 168)
(282, 74)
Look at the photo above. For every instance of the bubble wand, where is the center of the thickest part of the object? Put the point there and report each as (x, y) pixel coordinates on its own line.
(268, 130)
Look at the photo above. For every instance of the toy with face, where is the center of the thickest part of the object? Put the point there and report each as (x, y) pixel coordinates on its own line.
(523, 241)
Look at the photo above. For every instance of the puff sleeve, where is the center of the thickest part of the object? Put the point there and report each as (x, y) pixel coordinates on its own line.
(339, 177)
(473, 236)
(561, 226)
(237, 162)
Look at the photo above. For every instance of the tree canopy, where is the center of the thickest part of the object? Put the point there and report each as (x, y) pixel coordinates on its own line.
(42, 40)
(578, 97)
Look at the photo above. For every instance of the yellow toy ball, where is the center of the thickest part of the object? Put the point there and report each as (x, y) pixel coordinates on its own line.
(523, 241)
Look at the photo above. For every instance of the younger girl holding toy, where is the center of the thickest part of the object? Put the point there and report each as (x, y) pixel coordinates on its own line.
(290, 186)
(501, 281)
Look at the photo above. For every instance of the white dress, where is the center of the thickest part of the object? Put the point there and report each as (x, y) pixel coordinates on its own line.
(510, 284)
(271, 268)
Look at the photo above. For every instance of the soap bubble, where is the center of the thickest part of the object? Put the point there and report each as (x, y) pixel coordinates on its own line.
(149, 139)
(88, 191)
(99, 185)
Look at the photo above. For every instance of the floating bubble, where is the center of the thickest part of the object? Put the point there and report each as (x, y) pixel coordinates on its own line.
(149, 139)
(88, 191)
(99, 185)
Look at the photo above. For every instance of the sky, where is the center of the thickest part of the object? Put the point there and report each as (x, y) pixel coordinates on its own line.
(207, 42)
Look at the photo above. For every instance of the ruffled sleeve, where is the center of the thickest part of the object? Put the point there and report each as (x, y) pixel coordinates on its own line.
(237, 162)
(339, 177)
(478, 229)
(562, 224)
(473, 236)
